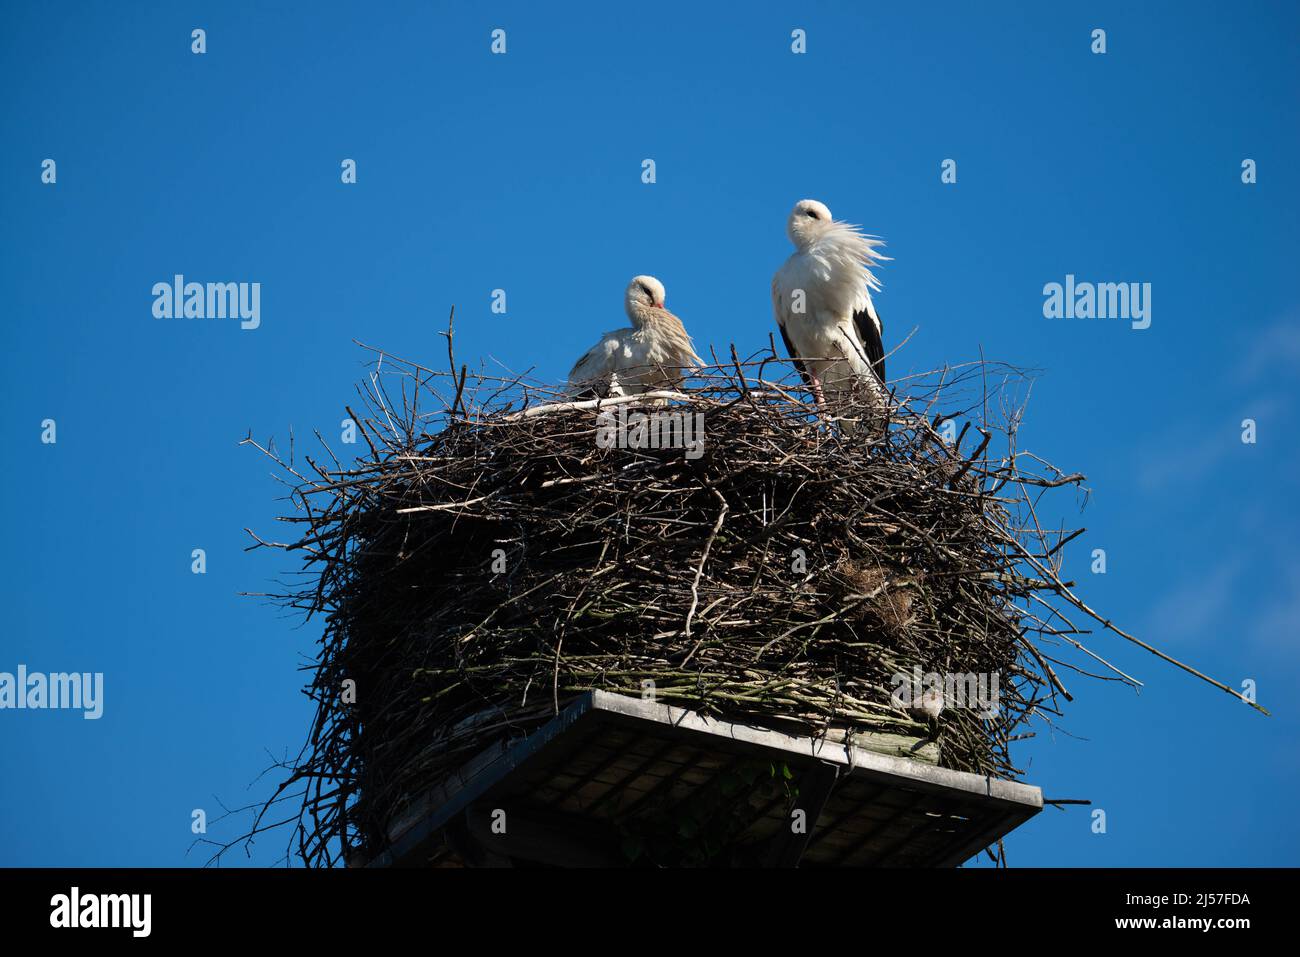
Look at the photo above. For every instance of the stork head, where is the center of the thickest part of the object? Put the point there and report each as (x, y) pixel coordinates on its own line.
(643, 292)
(808, 220)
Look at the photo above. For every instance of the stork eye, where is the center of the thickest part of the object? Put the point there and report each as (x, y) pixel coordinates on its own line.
(812, 213)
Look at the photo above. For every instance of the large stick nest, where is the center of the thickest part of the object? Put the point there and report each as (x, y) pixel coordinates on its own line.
(485, 560)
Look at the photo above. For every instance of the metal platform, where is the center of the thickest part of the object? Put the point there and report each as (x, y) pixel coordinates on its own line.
(564, 795)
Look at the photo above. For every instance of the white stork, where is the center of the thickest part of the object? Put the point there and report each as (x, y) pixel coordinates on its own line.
(822, 300)
(653, 354)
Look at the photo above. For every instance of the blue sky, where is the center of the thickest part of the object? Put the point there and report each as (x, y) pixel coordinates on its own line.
(523, 172)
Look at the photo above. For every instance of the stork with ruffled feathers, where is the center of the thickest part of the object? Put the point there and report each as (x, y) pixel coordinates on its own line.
(822, 300)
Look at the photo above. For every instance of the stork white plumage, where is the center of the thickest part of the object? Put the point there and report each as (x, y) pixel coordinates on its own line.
(822, 300)
(653, 354)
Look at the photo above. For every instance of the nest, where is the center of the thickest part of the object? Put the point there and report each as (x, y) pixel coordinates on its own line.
(485, 560)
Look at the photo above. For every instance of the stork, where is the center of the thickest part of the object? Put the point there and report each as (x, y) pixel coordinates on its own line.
(821, 297)
(653, 354)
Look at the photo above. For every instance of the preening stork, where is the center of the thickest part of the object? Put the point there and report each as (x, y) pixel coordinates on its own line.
(822, 300)
(653, 354)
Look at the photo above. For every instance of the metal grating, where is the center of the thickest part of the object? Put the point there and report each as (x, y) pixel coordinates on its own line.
(567, 790)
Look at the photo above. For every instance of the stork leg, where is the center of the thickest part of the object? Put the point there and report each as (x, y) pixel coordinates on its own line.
(818, 396)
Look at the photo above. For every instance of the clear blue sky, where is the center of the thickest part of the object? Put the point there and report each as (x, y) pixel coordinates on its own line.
(522, 172)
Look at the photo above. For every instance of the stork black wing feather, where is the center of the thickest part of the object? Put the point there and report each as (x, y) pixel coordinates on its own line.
(871, 341)
(794, 356)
